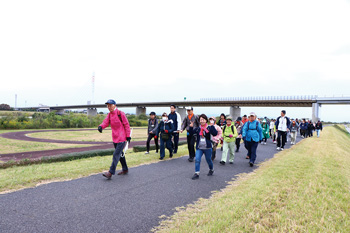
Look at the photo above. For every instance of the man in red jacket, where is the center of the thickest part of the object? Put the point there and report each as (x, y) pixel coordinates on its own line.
(120, 134)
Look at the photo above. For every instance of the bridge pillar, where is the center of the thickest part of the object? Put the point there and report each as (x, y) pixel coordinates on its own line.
(235, 111)
(91, 111)
(140, 110)
(182, 112)
(315, 112)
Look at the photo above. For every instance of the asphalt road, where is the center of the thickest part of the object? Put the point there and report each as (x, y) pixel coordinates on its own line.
(130, 203)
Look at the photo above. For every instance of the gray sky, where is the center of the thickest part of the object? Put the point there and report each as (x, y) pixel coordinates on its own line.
(165, 50)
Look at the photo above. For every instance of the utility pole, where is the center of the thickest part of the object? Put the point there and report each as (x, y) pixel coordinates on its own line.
(15, 101)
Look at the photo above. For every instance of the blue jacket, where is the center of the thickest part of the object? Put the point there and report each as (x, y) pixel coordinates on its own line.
(165, 126)
(253, 133)
(303, 126)
(212, 131)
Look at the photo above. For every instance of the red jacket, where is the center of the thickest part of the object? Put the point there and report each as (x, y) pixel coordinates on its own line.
(120, 129)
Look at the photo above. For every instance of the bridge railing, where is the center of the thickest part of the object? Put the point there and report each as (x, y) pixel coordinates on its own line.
(245, 98)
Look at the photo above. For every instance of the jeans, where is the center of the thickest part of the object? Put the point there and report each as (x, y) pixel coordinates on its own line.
(281, 135)
(117, 157)
(251, 147)
(150, 136)
(207, 154)
(176, 142)
(191, 139)
(318, 132)
(169, 146)
(227, 146)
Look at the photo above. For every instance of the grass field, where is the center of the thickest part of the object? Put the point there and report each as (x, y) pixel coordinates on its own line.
(19, 177)
(303, 189)
(138, 134)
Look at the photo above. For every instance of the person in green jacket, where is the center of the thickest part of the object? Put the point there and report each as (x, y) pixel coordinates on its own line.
(265, 131)
(229, 133)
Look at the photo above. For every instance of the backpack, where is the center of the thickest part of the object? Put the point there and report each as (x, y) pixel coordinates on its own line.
(257, 123)
(232, 128)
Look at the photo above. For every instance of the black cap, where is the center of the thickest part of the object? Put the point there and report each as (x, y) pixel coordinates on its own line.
(152, 113)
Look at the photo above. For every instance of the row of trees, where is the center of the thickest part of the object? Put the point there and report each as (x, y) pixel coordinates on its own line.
(21, 120)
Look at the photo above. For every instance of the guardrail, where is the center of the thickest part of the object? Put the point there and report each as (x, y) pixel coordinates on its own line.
(253, 98)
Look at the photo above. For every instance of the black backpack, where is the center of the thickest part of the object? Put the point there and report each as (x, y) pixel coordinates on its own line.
(232, 128)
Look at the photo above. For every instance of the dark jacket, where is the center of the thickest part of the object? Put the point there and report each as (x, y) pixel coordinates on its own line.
(212, 131)
(165, 126)
(319, 125)
(152, 126)
(176, 120)
(221, 123)
(303, 126)
(186, 122)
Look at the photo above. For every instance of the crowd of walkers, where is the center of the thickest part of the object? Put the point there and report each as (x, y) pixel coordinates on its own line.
(204, 134)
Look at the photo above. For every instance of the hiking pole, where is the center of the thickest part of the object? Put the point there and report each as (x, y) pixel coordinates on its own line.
(126, 145)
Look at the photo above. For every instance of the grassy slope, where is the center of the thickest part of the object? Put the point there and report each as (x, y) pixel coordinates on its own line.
(15, 178)
(304, 189)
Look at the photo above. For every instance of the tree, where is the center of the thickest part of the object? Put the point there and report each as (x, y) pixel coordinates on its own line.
(5, 107)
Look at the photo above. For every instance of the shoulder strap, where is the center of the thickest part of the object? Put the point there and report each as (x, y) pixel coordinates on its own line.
(233, 129)
(257, 123)
(120, 117)
(223, 130)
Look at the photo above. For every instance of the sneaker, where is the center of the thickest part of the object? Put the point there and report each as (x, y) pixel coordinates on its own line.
(210, 172)
(190, 159)
(251, 164)
(274, 142)
(282, 148)
(236, 150)
(156, 152)
(278, 148)
(264, 143)
(108, 175)
(161, 158)
(222, 162)
(147, 153)
(123, 172)
(171, 155)
(231, 162)
(195, 176)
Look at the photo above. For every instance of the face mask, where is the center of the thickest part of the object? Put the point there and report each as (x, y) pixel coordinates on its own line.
(164, 118)
(211, 122)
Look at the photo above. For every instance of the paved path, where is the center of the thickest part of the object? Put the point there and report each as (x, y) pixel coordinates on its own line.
(131, 203)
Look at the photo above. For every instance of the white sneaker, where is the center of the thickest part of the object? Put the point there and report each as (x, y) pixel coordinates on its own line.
(146, 153)
(278, 148)
(274, 142)
(282, 149)
(264, 143)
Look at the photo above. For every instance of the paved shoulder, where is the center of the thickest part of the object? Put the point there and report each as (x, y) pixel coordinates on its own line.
(130, 203)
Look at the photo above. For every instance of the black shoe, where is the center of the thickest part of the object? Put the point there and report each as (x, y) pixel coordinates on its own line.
(210, 172)
(222, 162)
(237, 150)
(190, 159)
(195, 176)
(251, 164)
(161, 158)
(221, 148)
(231, 162)
(175, 152)
(171, 155)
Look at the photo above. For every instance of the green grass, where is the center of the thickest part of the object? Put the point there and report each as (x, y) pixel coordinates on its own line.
(303, 189)
(19, 177)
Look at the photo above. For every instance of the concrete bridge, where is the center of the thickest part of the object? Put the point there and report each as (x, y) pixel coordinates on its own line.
(233, 102)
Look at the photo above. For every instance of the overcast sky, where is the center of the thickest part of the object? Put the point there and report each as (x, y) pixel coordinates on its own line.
(165, 50)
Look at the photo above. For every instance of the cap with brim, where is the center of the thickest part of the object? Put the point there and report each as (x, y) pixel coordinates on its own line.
(229, 118)
(110, 101)
(152, 113)
(212, 118)
(239, 118)
(189, 108)
(252, 114)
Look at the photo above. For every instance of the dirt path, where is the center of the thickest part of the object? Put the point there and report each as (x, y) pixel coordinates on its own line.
(38, 154)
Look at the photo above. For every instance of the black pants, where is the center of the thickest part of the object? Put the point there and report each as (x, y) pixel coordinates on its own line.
(281, 135)
(176, 142)
(238, 143)
(191, 140)
(122, 158)
(150, 136)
